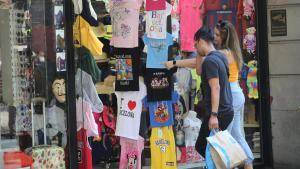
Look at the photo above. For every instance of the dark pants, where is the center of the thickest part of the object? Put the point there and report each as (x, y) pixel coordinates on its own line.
(224, 121)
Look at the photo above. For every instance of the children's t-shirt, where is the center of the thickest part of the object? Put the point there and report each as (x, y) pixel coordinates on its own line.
(156, 23)
(154, 5)
(131, 151)
(161, 112)
(125, 23)
(129, 112)
(157, 52)
(159, 84)
(191, 14)
(162, 146)
(127, 66)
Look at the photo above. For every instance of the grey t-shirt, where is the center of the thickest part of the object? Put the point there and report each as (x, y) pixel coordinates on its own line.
(216, 65)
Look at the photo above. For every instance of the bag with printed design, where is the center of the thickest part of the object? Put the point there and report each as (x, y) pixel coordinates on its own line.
(225, 151)
(45, 156)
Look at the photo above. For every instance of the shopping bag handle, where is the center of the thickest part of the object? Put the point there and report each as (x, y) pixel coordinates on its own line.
(215, 131)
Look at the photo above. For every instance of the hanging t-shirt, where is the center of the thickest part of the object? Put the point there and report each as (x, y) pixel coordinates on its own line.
(129, 112)
(85, 118)
(86, 89)
(179, 111)
(127, 69)
(191, 13)
(161, 112)
(162, 146)
(154, 5)
(157, 51)
(175, 28)
(85, 36)
(156, 22)
(216, 10)
(131, 151)
(159, 84)
(125, 23)
(86, 10)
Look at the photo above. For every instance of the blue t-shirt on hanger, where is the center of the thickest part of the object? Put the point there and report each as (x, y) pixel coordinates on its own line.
(157, 51)
(161, 112)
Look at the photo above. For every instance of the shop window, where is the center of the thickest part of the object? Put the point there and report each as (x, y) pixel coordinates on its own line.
(33, 95)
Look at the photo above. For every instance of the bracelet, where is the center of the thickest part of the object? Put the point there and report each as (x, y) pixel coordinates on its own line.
(174, 62)
(214, 114)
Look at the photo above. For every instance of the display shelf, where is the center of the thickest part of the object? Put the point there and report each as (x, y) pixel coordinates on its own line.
(251, 125)
(256, 155)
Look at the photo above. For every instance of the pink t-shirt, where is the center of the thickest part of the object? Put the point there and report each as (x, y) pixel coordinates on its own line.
(85, 118)
(131, 151)
(125, 23)
(191, 13)
(154, 5)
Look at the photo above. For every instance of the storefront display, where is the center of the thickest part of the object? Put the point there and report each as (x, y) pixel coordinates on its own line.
(127, 109)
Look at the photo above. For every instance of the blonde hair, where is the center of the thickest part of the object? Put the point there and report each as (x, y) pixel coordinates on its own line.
(230, 40)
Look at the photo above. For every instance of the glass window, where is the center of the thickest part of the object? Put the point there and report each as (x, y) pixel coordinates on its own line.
(32, 83)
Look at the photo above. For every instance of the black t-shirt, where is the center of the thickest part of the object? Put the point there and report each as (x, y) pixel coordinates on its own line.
(159, 84)
(127, 69)
(215, 65)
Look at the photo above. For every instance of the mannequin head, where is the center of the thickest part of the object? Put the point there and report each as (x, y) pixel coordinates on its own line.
(58, 90)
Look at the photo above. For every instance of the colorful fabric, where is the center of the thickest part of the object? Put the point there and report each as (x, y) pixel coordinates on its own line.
(162, 146)
(125, 23)
(250, 40)
(84, 36)
(154, 5)
(192, 155)
(85, 118)
(197, 78)
(191, 13)
(161, 112)
(84, 152)
(252, 80)
(129, 112)
(248, 8)
(157, 51)
(127, 69)
(131, 151)
(48, 157)
(156, 23)
(159, 84)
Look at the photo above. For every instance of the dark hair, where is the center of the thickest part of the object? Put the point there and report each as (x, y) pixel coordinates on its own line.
(230, 40)
(205, 34)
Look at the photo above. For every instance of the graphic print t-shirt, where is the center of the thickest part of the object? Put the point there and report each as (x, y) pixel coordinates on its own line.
(157, 51)
(162, 146)
(159, 84)
(161, 112)
(127, 66)
(129, 112)
(131, 151)
(154, 5)
(156, 23)
(125, 23)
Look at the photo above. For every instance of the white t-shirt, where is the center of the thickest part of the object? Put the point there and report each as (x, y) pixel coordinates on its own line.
(175, 27)
(191, 125)
(129, 112)
(156, 22)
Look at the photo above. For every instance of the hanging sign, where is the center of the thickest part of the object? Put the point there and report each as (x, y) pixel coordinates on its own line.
(278, 23)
